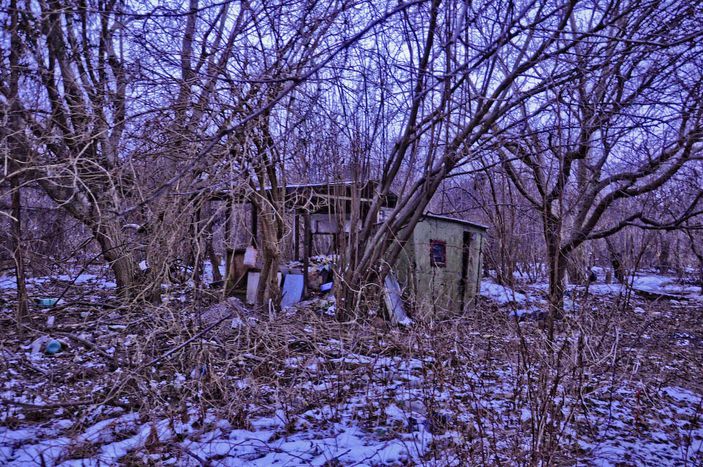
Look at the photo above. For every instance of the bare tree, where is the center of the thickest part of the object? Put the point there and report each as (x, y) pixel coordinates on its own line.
(468, 70)
(69, 115)
(622, 129)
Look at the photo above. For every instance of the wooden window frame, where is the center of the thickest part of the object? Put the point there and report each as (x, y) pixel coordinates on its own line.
(433, 260)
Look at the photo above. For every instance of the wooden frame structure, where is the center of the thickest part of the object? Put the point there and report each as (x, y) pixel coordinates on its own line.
(309, 203)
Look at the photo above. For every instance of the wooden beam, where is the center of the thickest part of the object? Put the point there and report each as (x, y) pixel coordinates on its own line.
(307, 248)
(254, 224)
(229, 251)
(296, 236)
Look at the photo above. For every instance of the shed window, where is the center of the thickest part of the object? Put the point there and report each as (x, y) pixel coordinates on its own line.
(438, 253)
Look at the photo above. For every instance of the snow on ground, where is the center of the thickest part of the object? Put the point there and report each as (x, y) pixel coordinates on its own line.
(322, 434)
(676, 440)
(648, 282)
(603, 289)
(502, 294)
(665, 284)
(532, 294)
(208, 270)
(522, 304)
(395, 398)
(406, 427)
(9, 283)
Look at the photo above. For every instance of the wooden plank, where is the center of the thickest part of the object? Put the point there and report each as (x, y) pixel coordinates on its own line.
(307, 247)
(254, 224)
(252, 285)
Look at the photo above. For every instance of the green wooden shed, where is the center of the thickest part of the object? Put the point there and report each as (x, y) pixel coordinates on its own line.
(440, 266)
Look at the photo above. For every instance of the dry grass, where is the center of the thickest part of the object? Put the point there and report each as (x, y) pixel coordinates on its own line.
(488, 388)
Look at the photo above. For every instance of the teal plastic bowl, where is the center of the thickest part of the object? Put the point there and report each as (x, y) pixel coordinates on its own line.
(46, 302)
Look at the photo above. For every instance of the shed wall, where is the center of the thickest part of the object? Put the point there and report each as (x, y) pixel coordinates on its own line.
(434, 286)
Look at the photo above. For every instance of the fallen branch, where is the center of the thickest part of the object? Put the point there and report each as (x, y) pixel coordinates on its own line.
(650, 295)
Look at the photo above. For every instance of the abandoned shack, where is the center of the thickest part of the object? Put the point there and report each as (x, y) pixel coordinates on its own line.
(440, 266)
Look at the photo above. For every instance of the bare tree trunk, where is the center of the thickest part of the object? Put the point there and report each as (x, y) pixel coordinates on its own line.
(698, 253)
(616, 260)
(664, 254)
(268, 292)
(115, 250)
(209, 246)
(557, 270)
(577, 266)
(21, 312)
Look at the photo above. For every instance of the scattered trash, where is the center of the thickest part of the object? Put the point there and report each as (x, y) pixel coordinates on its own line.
(326, 274)
(50, 321)
(46, 302)
(143, 265)
(53, 347)
(639, 310)
(326, 287)
(38, 343)
(49, 345)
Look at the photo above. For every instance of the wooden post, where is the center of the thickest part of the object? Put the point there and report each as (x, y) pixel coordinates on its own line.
(254, 224)
(296, 236)
(229, 250)
(307, 247)
(228, 234)
(196, 253)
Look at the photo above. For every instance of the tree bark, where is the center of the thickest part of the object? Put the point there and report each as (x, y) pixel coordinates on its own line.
(116, 251)
(556, 268)
(22, 311)
(15, 128)
(209, 245)
(698, 253)
(616, 260)
(268, 292)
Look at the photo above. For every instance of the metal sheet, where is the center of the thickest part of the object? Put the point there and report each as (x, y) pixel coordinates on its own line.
(292, 289)
(394, 301)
